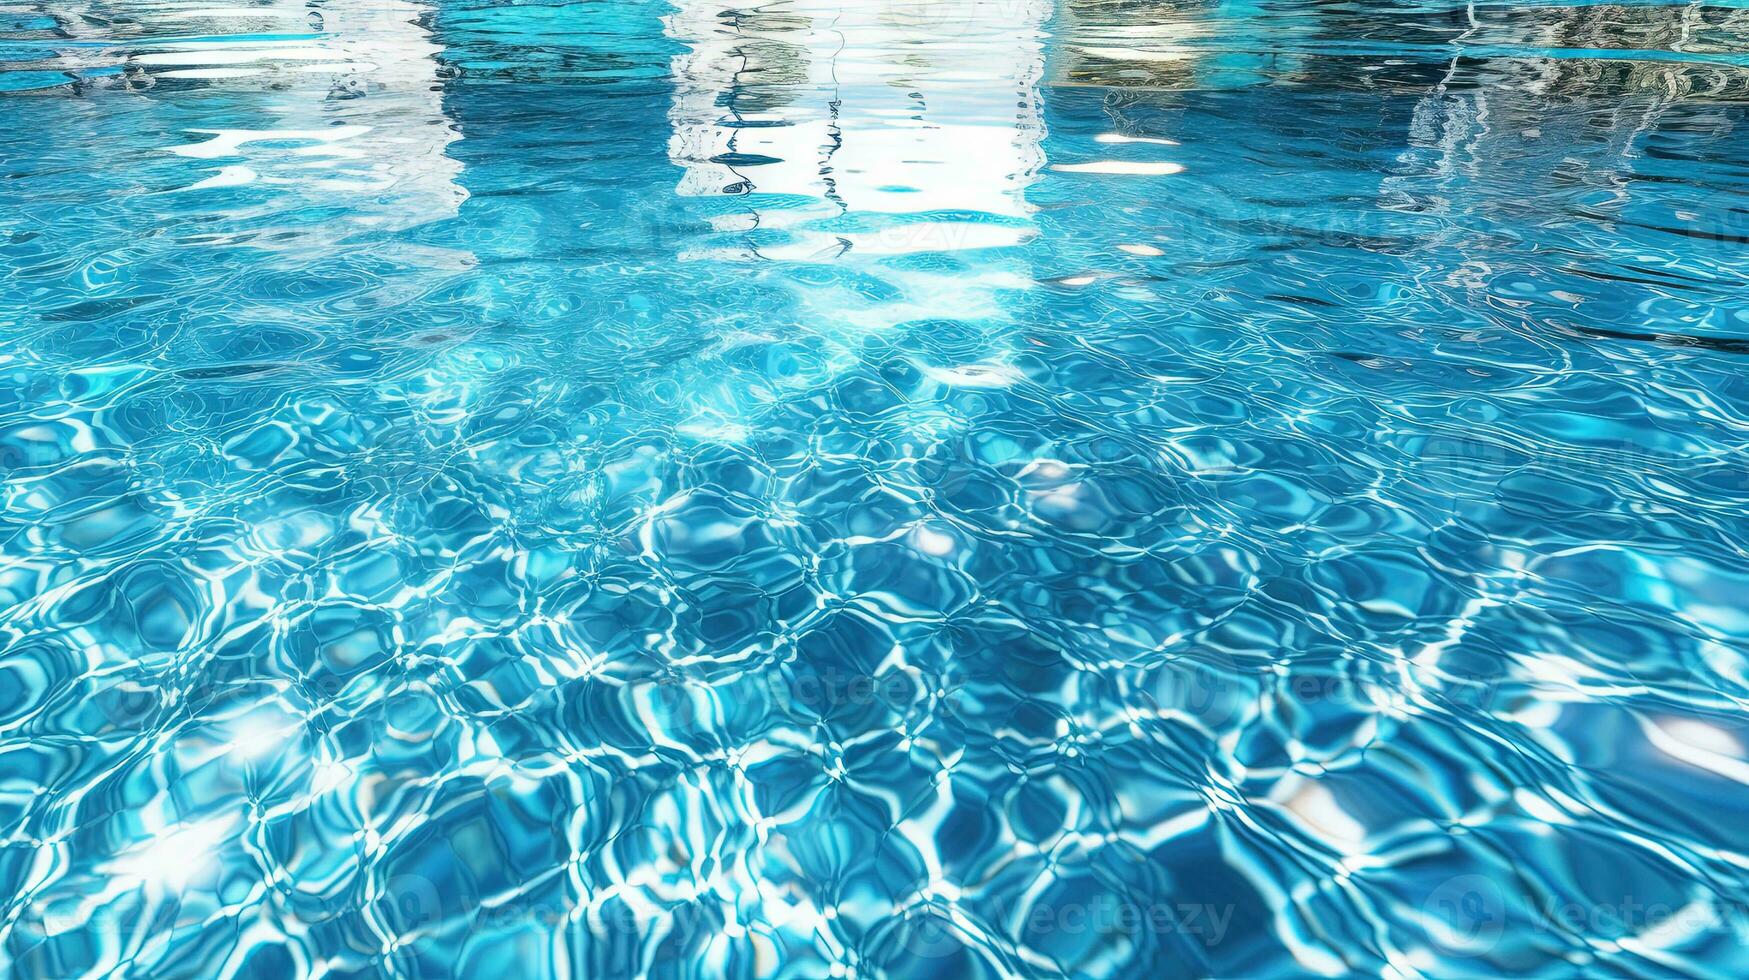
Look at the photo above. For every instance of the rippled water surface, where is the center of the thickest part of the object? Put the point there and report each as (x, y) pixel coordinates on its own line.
(873, 488)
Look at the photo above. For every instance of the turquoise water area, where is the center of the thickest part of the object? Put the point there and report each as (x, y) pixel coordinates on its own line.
(913, 488)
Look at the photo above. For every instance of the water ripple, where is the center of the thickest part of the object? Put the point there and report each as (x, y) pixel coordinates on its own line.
(913, 488)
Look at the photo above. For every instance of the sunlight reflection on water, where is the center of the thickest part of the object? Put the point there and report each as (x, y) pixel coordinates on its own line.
(977, 487)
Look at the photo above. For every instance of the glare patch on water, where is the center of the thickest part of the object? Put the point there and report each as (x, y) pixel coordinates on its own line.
(172, 855)
(1134, 168)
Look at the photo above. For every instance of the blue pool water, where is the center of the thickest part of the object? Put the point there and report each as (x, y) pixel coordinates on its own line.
(874, 488)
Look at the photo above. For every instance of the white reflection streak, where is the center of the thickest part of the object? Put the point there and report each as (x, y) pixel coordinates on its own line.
(890, 107)
(361, 110)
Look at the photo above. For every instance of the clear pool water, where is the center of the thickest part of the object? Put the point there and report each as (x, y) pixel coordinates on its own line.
(873, 488)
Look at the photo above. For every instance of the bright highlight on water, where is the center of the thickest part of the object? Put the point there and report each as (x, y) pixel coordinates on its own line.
(893, 488)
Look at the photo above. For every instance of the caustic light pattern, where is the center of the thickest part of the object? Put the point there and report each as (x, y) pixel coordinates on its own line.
(961, 488)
